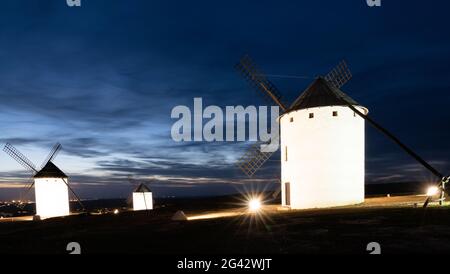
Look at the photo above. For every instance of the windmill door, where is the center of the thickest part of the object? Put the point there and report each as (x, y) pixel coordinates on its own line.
(287, 193)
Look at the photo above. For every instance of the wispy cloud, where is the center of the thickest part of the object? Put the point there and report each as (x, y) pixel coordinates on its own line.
(104, 88)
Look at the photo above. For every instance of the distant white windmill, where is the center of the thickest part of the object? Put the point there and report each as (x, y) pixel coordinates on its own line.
(50, 184)
(142, 196)
(322, 142)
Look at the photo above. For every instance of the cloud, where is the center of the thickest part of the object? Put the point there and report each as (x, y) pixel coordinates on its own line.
(104, 88)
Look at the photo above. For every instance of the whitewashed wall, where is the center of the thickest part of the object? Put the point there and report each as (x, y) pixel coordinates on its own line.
(325, 157)
(142, 201)
(52, 197)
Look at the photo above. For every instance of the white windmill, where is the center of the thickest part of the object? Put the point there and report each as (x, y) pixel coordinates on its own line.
(321, 141)
(142, 196)
(50, 184)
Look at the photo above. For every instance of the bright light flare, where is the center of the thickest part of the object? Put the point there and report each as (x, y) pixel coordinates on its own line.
(215, 215)
(116, 211)
(254, 204)
(255, 215)
(432, 190)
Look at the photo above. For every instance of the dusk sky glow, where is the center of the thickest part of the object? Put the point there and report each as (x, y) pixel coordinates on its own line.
(103, 78)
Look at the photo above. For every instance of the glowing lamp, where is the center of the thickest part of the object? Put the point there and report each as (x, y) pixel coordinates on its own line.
(432, 190)
(254, 205)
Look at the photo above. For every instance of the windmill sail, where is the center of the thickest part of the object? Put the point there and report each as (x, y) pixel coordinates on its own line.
(259, 81)
(253, 159)
(341, 96)
(339, 75)
(56, 148)
(387, 133)
(74, 194)
(26, 163)
(20, 158)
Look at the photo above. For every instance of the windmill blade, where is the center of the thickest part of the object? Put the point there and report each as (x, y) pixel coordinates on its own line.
(55, 150)
(395, 140)
(259, 81)
(131, 180)
(20, 158)
(278, 190)
(427, 201)
(74, 194)
(145, 200)
(129, 200)
(133, 183)
(27, 189)
(398, 142)
(25, 192)
(253, 159)
(339, 75)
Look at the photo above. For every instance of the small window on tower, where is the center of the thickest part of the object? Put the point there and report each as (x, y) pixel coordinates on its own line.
(335, 114)
(285, 154)
(311, 115)
(291, 119)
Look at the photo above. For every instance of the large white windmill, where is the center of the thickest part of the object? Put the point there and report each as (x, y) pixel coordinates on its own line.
(50, 184)
(321, 140)
(322, 150)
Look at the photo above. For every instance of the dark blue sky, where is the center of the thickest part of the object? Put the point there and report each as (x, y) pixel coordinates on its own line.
(102, 80)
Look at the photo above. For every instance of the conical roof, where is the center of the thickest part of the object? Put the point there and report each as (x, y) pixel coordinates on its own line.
(320, 94)
(142, 188)
(50, 170)
(179, 216)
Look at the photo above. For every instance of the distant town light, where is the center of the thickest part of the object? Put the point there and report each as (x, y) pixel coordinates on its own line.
(116, 211)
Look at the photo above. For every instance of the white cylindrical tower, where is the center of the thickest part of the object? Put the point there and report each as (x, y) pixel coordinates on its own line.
(322, 150)
(51, 192)
(142, 198)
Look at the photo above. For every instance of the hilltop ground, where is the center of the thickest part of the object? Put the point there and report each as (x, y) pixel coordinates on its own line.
(395, 223)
